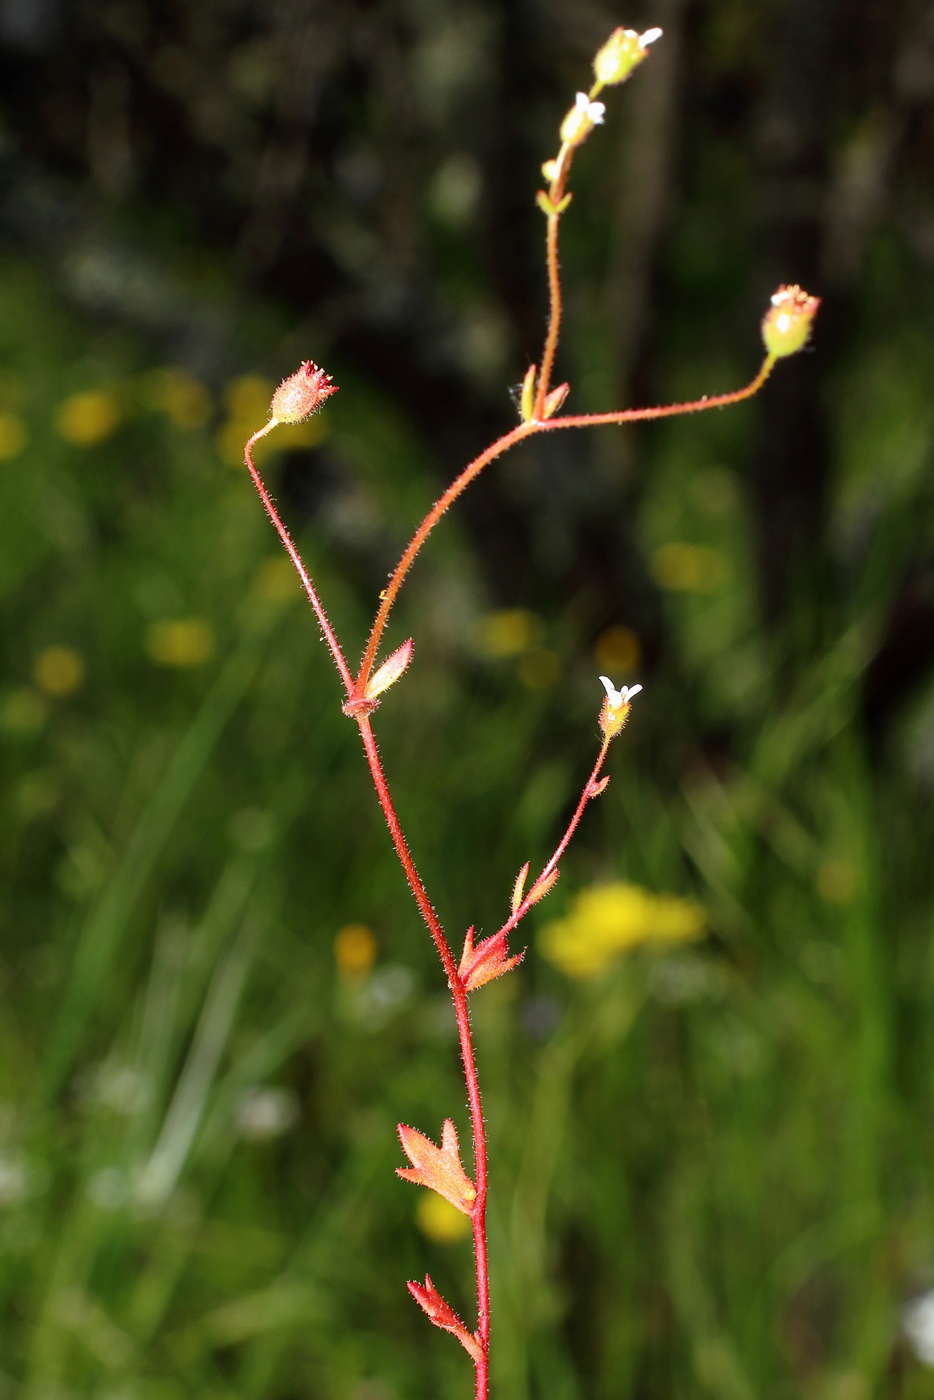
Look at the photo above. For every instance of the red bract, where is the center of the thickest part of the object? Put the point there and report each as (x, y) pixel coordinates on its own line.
(488, 960)
(438, 1168)
(443, 1315)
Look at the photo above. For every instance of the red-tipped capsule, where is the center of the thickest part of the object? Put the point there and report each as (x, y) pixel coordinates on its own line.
(786, 325)
(302, 394)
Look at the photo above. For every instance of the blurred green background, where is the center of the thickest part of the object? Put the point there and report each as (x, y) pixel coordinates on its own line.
(711, 1159)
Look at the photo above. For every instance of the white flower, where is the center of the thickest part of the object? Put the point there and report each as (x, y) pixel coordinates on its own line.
(593, 111)
(618, 698)
(649, 37)
(581, 119)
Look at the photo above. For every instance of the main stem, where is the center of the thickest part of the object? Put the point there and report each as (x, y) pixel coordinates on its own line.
(356, 689)
(432, 921)
(459, 997)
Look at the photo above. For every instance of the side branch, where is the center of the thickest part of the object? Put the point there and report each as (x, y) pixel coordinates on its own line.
(296, 559)
(457, 486)
(591, 789)
(669, 410)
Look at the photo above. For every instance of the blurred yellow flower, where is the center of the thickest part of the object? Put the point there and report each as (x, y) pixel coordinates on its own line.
(24, 711)
(13, 436)
(439, 1220)
(607, 920)
(84, 419)
(355, 950)
(276, 581)
(249, 397)
(690, 568)
(539, 668)
(184, 400)
(617, 650)
(838, 880)
(507, 632)
(182, 643)
(58, 670)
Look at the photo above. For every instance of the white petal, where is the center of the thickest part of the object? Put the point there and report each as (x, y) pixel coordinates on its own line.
(582, 102)
(595, 111)
(629, 691)
(613, 694)
(649, 37)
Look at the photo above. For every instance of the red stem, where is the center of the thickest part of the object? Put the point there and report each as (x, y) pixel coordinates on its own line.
(508, 440)
(388, 596)
(668, 410)
(459, 996)
(563, 844)
(295, 557)
(554, 296)
(356, 690)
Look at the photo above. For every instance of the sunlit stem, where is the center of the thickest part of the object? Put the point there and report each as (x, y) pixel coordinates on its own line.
(555, 194)
(388, 597)
(563, 844)
(296, 558)
(668, 410)
(459, 997)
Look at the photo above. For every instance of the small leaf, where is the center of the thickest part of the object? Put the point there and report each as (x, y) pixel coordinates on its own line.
(596, 788)
(527, 402)
(555, 399)
(546, 883)
(519, 886)
(438, 1168)
(443, 1315)
(390, 671)
(547, 206)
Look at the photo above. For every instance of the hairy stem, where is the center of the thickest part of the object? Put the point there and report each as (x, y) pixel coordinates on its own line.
(459, 997)
(668, 410)
(388, 597)
(563, 844)
(296, 558)
(554, 316)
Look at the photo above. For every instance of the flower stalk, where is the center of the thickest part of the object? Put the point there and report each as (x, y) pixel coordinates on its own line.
(785, 330)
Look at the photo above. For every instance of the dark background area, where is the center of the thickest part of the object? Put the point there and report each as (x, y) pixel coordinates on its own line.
(711, 1164)
(368, 169)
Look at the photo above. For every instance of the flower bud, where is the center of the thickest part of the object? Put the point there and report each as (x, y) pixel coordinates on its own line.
(302, 394)
(786, 325)
(622, 52)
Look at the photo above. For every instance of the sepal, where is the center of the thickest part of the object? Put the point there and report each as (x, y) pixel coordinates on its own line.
(554, 400)
(547, 205)
(390, 671)
(519, 886)
(541, 888)
(527, 401)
